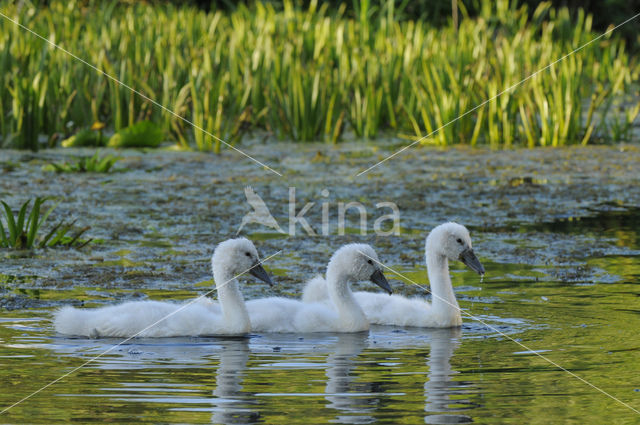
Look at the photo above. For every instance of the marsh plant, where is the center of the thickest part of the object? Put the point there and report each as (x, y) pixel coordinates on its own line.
(314, 73)
(89, 164)
(86, 137)
(23, 230)
(143, 134)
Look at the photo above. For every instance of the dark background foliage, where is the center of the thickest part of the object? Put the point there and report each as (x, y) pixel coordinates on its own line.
(605, 12)
(439, 12)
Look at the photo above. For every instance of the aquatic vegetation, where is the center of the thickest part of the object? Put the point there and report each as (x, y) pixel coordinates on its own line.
(8, 166)
(22, 229)
(83, 138)
(90, 164)
(139, 135)
(86, 137)
(313, 73)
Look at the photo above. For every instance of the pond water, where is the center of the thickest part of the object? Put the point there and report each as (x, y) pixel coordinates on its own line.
(550, 334)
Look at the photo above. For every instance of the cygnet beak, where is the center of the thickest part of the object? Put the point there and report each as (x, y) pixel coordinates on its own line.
(258, 271)
(468, 257)
(378, 278)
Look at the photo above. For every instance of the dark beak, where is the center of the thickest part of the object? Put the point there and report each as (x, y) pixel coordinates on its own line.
(378, 278)
(470, 260)
(260, 273)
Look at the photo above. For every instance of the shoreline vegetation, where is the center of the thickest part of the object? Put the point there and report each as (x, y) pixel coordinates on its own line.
(312, 73)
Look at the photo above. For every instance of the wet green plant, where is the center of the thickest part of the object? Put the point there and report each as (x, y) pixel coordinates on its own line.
(143, 134)
(89, 164)
(9, 166)
(311, 73)
(22, 229)
(86, 137)
(83, 138)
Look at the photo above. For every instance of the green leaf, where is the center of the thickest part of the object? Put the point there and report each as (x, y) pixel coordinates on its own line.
(139, 135)
(3, 236)
(11, 224)
(34, 222)
(62, 231)
(21, 217)
(44, 241)
(77, 235)
(46, 214)
(83, 138)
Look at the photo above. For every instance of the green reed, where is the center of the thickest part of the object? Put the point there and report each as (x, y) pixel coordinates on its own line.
(22, 229)
(90, 164)
(313, 74)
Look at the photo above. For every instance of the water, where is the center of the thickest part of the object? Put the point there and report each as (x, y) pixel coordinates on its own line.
(561, 253)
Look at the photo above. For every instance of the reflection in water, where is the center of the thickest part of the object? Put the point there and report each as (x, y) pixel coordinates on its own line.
(348, 396)
(439, 388)
(230, 403)
(340, 383)
(356, 401)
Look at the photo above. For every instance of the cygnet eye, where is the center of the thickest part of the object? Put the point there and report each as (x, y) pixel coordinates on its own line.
(369, 261)
(248, 254)
(459, 241)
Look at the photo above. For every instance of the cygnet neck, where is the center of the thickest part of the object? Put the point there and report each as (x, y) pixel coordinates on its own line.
(443, 298)
(234, 310)
(350, 313)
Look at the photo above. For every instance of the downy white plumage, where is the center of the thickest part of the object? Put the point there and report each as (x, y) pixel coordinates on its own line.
(449, 241)
(165, 319)
(351, 263)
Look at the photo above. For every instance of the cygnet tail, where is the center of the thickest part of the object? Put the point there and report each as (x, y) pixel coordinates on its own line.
(315, 290)
(71, 321)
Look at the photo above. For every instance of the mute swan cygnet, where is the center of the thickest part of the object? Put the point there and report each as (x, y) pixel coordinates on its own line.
(449, 241)
(162, 319)
(351, 263)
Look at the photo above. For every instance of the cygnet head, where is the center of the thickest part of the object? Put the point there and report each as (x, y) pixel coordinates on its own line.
(452, 240)
(358, 262)
(236, 256)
